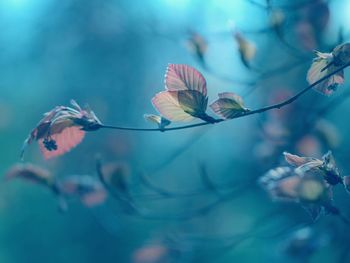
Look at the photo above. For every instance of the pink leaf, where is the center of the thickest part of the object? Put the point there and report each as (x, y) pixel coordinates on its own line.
(65, 141)
(183, 77)
(167, 104)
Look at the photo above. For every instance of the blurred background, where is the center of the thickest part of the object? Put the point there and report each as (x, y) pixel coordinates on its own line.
(112, 55)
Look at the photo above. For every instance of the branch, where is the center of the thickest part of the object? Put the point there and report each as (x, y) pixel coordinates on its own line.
(257, 111)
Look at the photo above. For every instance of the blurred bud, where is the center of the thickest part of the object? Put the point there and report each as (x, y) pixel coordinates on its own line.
(152, 253)
(309, 145)
(306, 35)
(198, 46)
(116, 175)
(281, 183)
(86, 188)
(32, 173)
(246, 48)
(327, 133)
(277, 18)
(304, 242)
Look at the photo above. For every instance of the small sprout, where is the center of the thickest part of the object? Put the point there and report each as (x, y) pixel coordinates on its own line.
(32, 173)
(61, 129)
(326, 63)
(88, 189)
(185, 97)
(156, 119)
(246, 48)
(198, 46)
(228, 106)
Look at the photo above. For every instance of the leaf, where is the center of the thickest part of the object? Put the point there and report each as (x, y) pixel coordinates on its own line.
(331, 172)
(167, 105)
(281, 184)
(323, 65)
(228, 106)
(193, 102)
(156, 119)
(277, 18)
(186, 95)
(341, 54)
(247, 49)
(88, 189)
(65, 141)
(311, 189)
(182, 77)
(296, 160)
(30, 173)
(61, 129)
(116, 176)
(198, 45)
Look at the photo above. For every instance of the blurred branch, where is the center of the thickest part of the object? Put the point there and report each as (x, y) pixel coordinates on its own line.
(132, 209)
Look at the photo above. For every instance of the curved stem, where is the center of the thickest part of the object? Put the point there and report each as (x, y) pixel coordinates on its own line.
(261, 110)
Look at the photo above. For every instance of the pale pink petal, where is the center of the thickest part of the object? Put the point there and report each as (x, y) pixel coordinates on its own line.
(167, 104)
(183, 77)
(65, 141)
